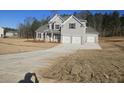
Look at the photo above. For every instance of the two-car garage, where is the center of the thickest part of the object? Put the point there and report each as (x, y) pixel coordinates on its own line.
(72, 39)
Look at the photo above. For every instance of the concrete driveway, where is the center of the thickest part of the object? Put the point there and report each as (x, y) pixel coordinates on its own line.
(13, 67)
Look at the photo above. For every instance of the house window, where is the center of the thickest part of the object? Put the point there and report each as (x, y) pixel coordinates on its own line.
(57, 26)
(72, 26)
(52, 25)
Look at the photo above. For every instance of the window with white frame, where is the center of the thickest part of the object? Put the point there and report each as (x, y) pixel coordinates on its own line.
(72, 25)
(57, 26)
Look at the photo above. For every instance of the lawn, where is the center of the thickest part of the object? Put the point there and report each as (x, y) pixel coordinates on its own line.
(9, 45)
(106, 65)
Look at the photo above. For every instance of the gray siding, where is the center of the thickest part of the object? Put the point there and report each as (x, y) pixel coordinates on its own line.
(56, 21)
(78, 31)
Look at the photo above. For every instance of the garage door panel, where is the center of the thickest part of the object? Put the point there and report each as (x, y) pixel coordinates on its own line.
(66, 39)
(91, 39)
(76, 40)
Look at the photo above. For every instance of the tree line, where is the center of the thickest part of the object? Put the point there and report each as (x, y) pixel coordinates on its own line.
(29, 26)
(107, 24)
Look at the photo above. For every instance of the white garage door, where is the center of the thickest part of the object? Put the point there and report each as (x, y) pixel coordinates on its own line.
(91, 39)
(66, 39)
(76, 40)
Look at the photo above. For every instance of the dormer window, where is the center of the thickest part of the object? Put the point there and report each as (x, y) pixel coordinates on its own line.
(57, 27)
(72, 25)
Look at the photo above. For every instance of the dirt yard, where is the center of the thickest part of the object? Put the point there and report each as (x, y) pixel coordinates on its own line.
(106, 65)
(8, 46)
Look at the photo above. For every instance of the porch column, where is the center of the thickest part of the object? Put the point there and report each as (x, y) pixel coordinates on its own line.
(36, 35)
(41, 36)
(51, 36)
(45, 36)
(54, 38)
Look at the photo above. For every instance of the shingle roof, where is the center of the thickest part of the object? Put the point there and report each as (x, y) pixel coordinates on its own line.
(65, 17)
(74, 18)
(42, 28)
(91, 30)
(53, 31)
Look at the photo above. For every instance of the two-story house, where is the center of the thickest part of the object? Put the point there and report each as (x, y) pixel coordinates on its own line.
(67, 30)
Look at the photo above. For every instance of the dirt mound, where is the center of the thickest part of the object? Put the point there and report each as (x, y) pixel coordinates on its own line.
(106, 65)
(83, 72)
(88, 66)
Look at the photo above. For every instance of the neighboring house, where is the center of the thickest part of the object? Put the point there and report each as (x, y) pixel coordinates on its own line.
(1, 32)
(67, 30)
(11, 33)
(8, 32)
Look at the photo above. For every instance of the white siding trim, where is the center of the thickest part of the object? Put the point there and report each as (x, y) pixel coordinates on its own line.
(66, 39)
(76, 40)
(55, 18)
(72, 17)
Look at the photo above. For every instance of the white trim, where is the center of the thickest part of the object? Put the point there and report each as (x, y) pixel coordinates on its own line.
(76, 40)
(66, 39)
(91, 39)
(55, 18)
(52, 18)
(61, 18)
(72, 16)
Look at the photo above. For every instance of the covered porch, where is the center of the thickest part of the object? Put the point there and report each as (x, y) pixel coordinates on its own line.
(49, 36)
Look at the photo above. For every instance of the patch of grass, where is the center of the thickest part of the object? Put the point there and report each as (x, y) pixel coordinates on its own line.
(10, 45)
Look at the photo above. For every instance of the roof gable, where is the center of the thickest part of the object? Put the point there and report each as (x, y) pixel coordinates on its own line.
(56, 16)
(73, 18)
